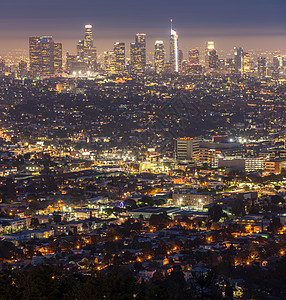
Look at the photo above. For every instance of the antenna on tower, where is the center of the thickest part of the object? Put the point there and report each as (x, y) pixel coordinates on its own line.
(171, 20)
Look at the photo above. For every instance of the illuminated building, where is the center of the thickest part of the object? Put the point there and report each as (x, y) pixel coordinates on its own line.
(110, 62)
(238, 53)
(119, 51)
(212, 59)
(88, 39)
(86, 49)
(174, 50)
(194, 56)
(58, 58)
(35, 55)
(22, 69)
(80, 49)
(210, 47)
(261, 67)
(277, 62)
(187, 149)
(159, 56)
(245, 63)
(71, 61)
(47, 55)
(138, 53)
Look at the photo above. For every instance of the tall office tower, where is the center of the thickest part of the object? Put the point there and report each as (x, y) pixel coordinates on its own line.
(119, 50)
(35, 55)
(213, 59)
(245, 63)
(277, 62)
(209, 47)
(134, 60)
(80, 49)
(261, 67)
(90, 55)
(47, 55)
(194, 56)
(238, 53)
(110, 62)
(174, 50)
(159, 57)
(88, 39)
(23, 69)
(138, 53)
(140, 40)
(58, 58)
(187, 149)
(71, 62)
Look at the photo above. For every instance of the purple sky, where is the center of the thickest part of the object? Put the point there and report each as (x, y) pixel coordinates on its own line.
(247, 23)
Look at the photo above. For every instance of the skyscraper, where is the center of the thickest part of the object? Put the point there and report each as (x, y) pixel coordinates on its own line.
(90, 55)
(35, 55)
(45, 56)
(261, 67)
(138, 53)
(159, 56)
(110, 62)
(213, 59)
(194, 56)
(88, 39)
(238, 52)
(245, 63)
(119, 50)
(174, 50)
(209, 47)
(58, 58)
(22, 69)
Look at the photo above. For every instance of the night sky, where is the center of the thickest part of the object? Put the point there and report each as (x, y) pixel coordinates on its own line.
(248, 23)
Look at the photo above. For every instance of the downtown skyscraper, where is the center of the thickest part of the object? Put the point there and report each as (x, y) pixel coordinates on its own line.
(119, 51)
(174, 49)
(159, 57)
(138, 53)
(45, 56)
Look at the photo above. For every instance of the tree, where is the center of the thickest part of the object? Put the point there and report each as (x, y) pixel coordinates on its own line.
(215, 213)
(238, 208)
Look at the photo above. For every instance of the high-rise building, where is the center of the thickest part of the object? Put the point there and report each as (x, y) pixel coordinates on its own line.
(209, 47)
(277, 62)
(213, 59)
(187, 149)
(194, 56)
(58, 58)
(23, 69)
(110, 62)
(174, 49)
(245, 63)
(238, 56)
(89, 51)
(138, 53)
(261, 67)
(159, 57)
(45, 56)
(119, 50)
(140, 39)
(35, 55)
(88, 39)
(80, 49)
